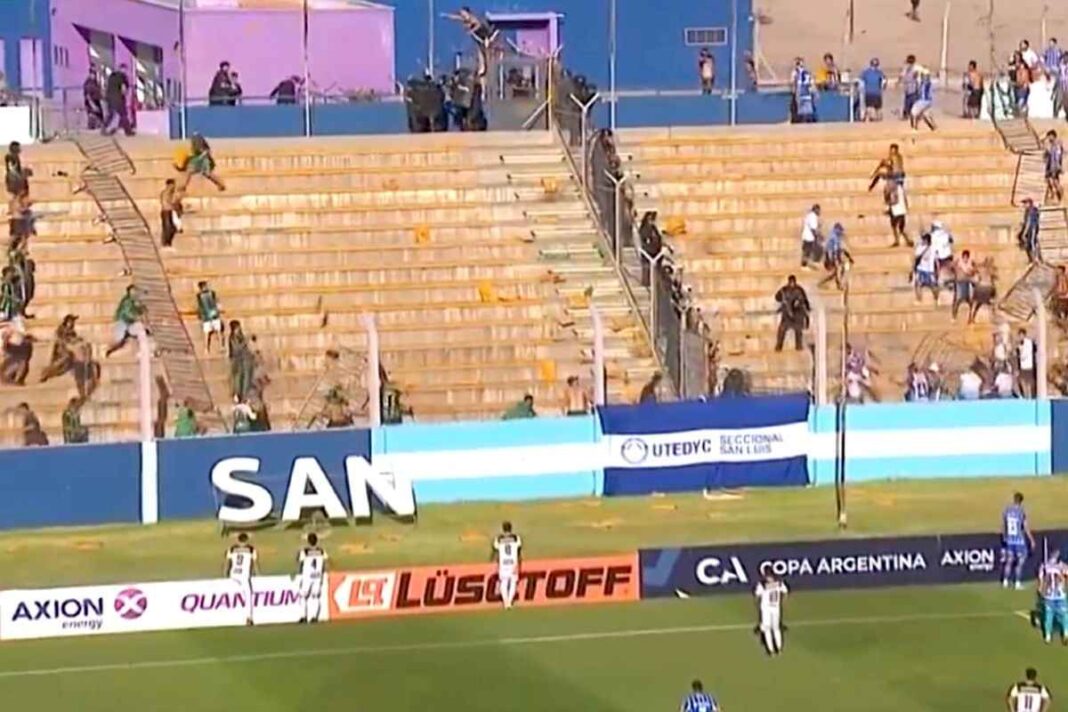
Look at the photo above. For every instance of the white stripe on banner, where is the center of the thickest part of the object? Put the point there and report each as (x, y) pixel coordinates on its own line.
(532, 460)
(698, 447)
(149, 482)
(936, 442)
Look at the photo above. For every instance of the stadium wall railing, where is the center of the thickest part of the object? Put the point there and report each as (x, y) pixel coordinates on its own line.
(539, 458)
(636, 109)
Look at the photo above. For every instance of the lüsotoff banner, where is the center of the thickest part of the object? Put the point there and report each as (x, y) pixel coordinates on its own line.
(833, 564)
(140, 607)
(693, 445)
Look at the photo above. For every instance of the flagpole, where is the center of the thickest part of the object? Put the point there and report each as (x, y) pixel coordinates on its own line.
(183, 119)
(307, 78)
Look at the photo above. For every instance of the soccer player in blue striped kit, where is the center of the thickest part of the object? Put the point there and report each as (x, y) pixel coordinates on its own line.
(1017, 542)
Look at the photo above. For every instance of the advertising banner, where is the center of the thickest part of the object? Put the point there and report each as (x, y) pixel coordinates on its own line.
(694, 445)
(472, 587)
(129, 608)
(837, 564)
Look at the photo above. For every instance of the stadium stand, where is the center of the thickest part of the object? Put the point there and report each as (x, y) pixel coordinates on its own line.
(474, 252)
(742, 195)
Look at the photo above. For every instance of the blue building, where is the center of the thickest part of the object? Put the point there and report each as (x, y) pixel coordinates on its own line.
(26, 45)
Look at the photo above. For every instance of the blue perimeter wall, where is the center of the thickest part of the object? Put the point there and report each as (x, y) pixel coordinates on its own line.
(513, 460)
(391, 117)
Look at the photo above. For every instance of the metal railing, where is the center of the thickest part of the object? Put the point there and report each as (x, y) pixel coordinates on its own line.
(675, 332)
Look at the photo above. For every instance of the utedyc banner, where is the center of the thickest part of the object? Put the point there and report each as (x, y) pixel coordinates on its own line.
(694, 445)
(837, 564)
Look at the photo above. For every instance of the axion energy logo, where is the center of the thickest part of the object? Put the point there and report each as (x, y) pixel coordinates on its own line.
(432, 589)
(131, 603)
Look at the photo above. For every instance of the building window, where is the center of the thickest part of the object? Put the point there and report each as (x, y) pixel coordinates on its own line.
(705, 36)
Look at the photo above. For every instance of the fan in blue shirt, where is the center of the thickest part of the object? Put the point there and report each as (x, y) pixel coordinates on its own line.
(874, 81)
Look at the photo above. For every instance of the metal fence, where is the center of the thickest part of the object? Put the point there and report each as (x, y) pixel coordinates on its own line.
(653, 281)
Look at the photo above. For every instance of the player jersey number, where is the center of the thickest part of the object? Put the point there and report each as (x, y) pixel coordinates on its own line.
(1012, 526)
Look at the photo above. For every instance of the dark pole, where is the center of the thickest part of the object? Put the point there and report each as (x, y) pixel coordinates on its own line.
(840, 416)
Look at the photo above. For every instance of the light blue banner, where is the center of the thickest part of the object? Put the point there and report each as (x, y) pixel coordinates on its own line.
(885, 441)
(504, 460)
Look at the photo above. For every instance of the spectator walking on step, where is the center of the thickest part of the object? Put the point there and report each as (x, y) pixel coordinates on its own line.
(794, 310)
(244, 417)
(964, 273)
(1029, 56)
(836, 258)
(21, 220)
(10, 295)
(128, 320)
(942, 241)
(62, 349)
(971, 382)
(897, 206)
(262, 422)
(924, 104)
(652, 243)
(706, 70)
(118, 117)
(910, 83)
(93, 100)
(185, 421)
(85, 368)
(16, 176)
(32, 433)
(1054, 158)
(925, 268)
(241, 366)
(200, 163)
(73, 430)
(577, 399)
(811, 237)
(335, 412)
(25, 270)
(917, 384)
(1051, 58)
(1022, 77)
(650, 391)
(890, 169)
(973, 86)
(914, 10)
(1025, 364)
(521, 410)
(874, 81)
(170, 212)
(1029, 230)
(17, 353)
(209, 314)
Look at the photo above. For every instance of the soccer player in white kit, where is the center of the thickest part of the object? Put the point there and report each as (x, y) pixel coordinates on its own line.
(1029, 695)
(770, 593)
(506, 550)
(312, 562)
(240, 568)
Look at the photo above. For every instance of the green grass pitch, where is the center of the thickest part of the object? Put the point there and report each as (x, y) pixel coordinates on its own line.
(948, 648)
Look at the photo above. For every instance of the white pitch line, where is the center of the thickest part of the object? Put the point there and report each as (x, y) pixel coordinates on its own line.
(489, 642)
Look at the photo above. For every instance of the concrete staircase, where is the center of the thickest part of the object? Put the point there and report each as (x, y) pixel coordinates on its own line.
(743, 195)
(471, 268)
